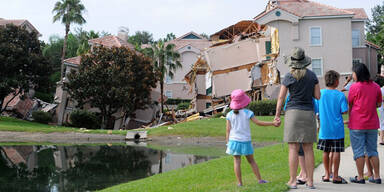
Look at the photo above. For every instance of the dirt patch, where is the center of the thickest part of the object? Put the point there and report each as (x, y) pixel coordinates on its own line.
(69, 137)
(84, 138)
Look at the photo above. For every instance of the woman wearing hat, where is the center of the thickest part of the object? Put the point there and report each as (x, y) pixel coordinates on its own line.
(300, 121)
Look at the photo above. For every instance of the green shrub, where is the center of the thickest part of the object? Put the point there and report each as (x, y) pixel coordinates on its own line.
(177, 101)
(84, 119)
(44, 96)
(264, 107)
(218, 115)
(183, 106)
(226, 111)
(42, 117)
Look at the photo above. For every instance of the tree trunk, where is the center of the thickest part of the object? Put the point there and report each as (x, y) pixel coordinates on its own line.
(63, 54)
(161, 95)
(104, 120)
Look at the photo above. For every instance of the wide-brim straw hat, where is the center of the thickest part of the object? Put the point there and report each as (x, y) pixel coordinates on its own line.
(298, 59)
(239, 99)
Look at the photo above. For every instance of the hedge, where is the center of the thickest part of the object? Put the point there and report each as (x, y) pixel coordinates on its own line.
(84, 119)
(177, 101)
(263, 107)
(183, 106)
(42, 117)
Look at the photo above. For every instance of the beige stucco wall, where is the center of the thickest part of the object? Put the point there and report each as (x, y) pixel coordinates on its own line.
(188, 58)
(179, 90)
(178, 86)
(367, 56)
(336, 48)
(360, 25)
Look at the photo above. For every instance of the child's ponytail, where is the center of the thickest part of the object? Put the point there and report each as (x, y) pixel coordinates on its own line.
(236, 111)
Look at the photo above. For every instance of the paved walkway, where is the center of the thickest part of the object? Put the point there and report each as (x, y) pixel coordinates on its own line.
(347, 170)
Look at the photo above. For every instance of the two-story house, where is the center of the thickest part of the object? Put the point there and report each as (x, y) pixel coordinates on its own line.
(66, 105)
(334, 38)
(189, 46)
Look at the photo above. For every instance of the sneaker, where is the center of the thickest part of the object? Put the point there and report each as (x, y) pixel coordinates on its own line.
(372, 180)
(355, 180)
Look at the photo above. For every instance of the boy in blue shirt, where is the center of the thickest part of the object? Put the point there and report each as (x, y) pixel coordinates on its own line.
(332, 105)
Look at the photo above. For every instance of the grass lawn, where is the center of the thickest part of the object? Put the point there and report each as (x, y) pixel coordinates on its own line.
(12, 124)
(215, 127)
(217, 174)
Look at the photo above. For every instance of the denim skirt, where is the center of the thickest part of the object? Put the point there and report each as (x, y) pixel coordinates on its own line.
(239, 147)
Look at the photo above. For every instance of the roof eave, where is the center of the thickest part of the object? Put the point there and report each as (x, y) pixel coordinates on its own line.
(327, 17)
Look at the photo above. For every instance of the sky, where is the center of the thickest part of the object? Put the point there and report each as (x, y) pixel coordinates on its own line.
(159, 17)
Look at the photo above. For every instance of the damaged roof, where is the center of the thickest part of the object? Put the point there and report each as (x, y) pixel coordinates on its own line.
(305, 8)
(106, 41)
(111, 41)
(73, 60)
(245, 26)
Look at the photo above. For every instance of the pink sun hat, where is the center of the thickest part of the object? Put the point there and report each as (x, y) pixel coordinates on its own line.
(239, 99)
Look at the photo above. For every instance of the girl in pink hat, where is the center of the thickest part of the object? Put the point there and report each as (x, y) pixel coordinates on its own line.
(239, 134)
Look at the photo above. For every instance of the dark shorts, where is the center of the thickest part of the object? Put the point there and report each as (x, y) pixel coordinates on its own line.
(301, 150)
(331, 145)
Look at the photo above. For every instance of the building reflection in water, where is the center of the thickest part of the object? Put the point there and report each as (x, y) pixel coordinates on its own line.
(82, 168)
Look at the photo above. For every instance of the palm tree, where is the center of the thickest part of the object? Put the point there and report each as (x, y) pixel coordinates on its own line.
(68, 12)
(165, 61)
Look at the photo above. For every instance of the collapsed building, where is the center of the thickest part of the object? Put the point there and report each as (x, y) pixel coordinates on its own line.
(243, 56)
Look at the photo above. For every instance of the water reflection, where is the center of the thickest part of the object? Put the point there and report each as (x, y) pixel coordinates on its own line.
(82, 168)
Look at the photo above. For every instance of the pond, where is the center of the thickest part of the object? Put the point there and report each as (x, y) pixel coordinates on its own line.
(51, 168)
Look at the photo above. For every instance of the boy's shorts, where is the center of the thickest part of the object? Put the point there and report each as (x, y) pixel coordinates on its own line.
(331, 145)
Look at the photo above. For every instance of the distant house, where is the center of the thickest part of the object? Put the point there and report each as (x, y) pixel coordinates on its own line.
(66, 106)
(20, 106)
(189, 46)
(20, 23)
(334, 38)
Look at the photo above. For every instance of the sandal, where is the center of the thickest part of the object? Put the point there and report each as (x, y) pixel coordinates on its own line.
(341, 181)
(262, 181)
(311, 187)
(324, 180)
(300, 182)
(292, 186)
(355, 180)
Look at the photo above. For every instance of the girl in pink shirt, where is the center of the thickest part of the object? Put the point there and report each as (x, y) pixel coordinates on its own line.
(363, 98)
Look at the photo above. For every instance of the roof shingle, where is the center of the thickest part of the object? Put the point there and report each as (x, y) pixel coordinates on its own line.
(359, 13)
(304, 8)
(111, 41)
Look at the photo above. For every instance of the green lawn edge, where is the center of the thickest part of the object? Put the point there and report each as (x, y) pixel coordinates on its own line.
(218, 175)
(17, 125)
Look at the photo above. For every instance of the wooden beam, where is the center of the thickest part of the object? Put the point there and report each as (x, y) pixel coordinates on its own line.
(238, 68)
(203, 97)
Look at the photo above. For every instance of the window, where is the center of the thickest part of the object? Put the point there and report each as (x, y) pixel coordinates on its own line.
(168, 79)
(355, 38)
(168, 94)
(315, 36)
(268, 49)
(356, 60)
(317, 67)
